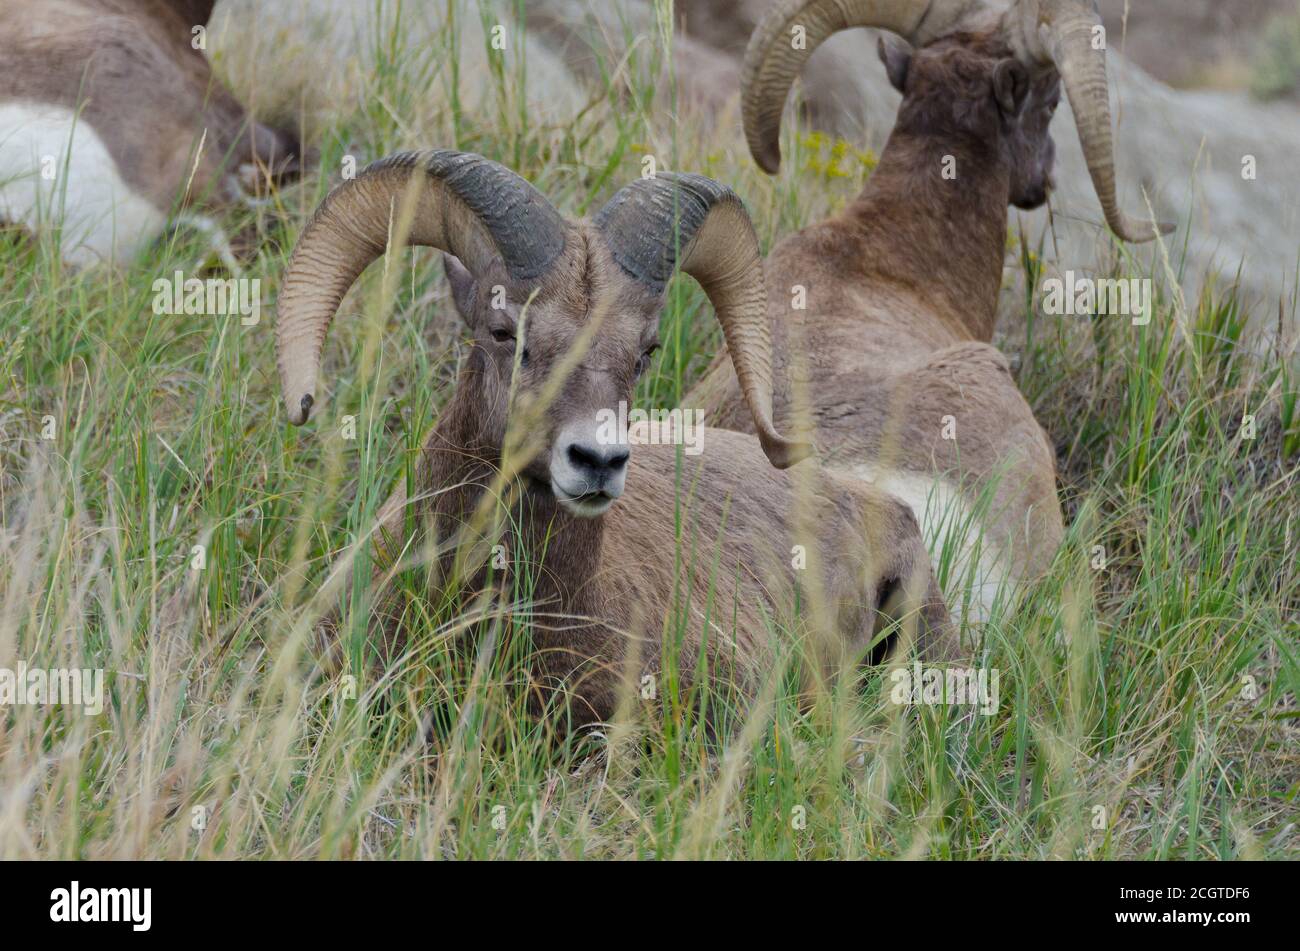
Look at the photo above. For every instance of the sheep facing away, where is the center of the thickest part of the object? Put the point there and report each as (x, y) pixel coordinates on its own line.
(901, 382)
(574, 306)
(110, 119)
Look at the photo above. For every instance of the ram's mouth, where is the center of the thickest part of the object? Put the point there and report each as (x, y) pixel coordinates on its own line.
(583, 504)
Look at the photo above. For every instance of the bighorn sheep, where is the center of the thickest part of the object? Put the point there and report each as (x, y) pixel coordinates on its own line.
(903, 386)
(583, 299)
(103, 104)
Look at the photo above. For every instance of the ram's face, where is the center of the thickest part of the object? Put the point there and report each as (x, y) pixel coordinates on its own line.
(563, 314)
(574, 353)
(1028, 141)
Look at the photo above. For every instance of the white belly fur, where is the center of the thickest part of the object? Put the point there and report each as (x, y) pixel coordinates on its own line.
(969, 566)
(103, 218)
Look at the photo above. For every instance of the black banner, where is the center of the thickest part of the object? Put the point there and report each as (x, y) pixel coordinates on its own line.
(336, 900)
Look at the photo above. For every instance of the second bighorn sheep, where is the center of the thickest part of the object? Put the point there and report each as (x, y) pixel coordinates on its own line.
(103, 107)
(903, 385)
(574, 305)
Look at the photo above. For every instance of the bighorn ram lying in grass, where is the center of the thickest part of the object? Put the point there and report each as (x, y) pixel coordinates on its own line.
(103, 104)
(605, 574)
(901, 289)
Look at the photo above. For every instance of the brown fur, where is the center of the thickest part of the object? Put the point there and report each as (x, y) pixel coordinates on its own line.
(902, 290)
(607, 583)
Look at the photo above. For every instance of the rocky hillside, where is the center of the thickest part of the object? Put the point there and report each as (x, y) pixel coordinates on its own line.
(1194, 43)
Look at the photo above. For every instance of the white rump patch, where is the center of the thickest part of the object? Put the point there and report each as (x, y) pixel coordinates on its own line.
(969, 566)
(103, 218)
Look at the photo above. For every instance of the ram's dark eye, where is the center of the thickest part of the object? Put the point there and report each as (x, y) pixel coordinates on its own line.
(643, 363)
(502, 336)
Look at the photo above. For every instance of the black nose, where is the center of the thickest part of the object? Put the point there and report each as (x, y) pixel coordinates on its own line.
(1033, 198)
(597, 462)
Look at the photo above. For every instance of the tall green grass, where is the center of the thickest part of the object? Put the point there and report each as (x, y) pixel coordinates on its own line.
(1148, 684)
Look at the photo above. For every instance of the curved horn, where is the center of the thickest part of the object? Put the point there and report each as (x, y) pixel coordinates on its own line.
(792, 29)
(465, 205)
(1062, 32)
(657, 225)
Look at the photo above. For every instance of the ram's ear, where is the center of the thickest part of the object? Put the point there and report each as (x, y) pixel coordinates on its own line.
(1011, 85)
(463, 287)
(896, 54)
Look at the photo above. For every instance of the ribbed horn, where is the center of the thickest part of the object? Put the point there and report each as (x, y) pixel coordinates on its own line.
(466, 205)
(1063, 33)
(658, 225)
(791, 30)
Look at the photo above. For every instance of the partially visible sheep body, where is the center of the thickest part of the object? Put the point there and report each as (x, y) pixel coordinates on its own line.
(110, 120)
(102, 217)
